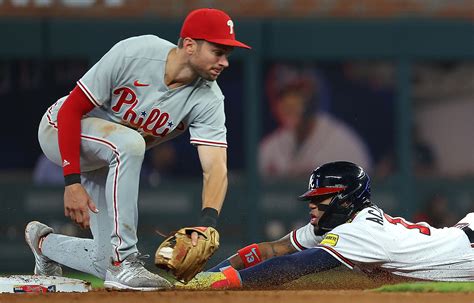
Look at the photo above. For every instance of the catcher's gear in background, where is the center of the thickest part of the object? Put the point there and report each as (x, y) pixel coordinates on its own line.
(178, 255)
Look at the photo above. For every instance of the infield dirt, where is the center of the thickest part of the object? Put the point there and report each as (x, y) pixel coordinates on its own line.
(273, 296)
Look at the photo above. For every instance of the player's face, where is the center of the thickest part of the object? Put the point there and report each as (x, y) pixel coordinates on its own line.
(317, 209)
(210, 59)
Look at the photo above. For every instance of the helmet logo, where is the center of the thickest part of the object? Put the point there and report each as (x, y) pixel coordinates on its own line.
(311, 184)
(230, 24)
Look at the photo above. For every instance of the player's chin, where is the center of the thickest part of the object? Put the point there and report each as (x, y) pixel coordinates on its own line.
(210, 77)
(215, 72)
(214, 75)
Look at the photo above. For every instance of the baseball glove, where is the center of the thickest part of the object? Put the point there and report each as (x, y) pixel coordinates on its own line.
(177, 254)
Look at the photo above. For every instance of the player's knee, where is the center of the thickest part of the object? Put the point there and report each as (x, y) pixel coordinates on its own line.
(133, 146)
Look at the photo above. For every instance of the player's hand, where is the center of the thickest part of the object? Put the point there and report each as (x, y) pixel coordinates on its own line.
(77, 204)
(194, 238)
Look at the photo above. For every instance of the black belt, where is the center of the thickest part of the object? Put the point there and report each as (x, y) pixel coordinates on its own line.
(469, 233)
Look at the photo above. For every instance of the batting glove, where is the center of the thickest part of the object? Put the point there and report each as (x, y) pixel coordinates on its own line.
(227, 278)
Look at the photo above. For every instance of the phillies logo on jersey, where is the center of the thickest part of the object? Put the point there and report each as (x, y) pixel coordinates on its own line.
(154, 121)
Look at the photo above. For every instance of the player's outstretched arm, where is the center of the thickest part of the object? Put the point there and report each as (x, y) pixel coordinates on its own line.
(255, 253)
(169, 254)
(280, 270)
(273, 272)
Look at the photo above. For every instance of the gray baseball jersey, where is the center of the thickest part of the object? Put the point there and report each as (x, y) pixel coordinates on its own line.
(127, 86)
(376, 241)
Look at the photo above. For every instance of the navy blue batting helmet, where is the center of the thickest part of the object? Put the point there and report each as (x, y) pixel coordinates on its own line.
(349, 186)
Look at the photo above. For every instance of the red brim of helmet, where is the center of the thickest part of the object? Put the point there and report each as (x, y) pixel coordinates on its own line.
(229, 42)
(320, 192)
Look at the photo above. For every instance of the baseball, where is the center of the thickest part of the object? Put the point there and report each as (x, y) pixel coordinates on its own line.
(166, 252)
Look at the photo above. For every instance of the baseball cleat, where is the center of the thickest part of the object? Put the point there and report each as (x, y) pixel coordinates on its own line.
(44, 266)
(130, 274)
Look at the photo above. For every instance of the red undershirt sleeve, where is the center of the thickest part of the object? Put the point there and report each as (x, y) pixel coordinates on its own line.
(69, 133)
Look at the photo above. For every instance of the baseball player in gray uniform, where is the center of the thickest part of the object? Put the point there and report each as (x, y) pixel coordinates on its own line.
(143, 92)
(346, 228)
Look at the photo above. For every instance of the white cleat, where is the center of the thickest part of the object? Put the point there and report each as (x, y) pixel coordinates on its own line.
(44, 266)
(131, 274)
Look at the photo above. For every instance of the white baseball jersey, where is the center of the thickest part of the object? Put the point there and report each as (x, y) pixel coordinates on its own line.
(127, 86)
(375, 241)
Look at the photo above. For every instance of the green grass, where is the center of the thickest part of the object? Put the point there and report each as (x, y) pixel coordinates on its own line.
(95, 282)
(429, 287)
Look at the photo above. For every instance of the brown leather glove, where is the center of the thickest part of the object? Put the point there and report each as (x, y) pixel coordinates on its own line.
(177, 254)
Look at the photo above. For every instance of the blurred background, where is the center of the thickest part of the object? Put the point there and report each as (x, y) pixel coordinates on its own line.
(388, 84)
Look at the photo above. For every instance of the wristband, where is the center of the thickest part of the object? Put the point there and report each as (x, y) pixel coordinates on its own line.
(72, 179)
(250, 255)
(208, 217)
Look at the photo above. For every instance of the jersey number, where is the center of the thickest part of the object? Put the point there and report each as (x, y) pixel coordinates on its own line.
(423, 229)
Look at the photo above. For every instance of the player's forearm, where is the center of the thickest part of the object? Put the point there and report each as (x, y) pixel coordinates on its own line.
(69, 132)
(235, 261)
(214, 179)
(214, 167)
(214, 187)
(257, 252)
(249, 256)
(254, 254)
